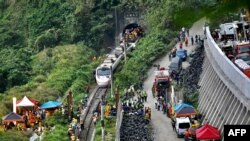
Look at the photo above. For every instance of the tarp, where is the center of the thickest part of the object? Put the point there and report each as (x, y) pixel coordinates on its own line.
(26, 102)
(185, 111)
(12, 117)
(182, 105)
(50, 104)
(207, 132)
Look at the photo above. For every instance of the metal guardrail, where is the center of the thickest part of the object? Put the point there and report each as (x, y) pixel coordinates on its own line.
(119, 117)
(241, 81)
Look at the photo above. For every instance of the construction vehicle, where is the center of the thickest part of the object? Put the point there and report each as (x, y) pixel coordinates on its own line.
(161, 83)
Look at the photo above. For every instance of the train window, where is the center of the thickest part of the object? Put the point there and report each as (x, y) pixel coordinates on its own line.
(103, 71)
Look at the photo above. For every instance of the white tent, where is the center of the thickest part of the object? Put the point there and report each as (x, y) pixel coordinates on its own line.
(25, 102)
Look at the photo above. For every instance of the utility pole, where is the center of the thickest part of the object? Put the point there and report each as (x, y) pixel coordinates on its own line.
(116, 28)
(111, 82)
(116, 99)
(70, 105)
(102, 118)
(125, 54)
(243, 24)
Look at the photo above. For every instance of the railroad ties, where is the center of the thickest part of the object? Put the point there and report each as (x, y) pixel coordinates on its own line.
(95, 100)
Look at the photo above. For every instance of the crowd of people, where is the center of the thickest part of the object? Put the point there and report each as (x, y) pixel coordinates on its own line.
(74, 130)
(134, 103)
(33, 120)
(132, 34)
(77, 123)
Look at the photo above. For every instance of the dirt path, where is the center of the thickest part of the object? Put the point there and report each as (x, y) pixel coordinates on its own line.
(161, 124)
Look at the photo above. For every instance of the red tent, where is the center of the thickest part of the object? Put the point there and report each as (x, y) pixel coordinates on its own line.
(207, 132)
(25, 101)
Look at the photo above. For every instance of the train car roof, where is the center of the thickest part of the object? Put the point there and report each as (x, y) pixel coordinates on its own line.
(106, 65)
(108, 60)
(111, 56)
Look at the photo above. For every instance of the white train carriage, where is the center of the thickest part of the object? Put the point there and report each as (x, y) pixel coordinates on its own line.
(103, 74)
(104, 71)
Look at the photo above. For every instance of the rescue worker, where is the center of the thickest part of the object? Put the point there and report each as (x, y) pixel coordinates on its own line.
(145, 96)
(186, 41)
(149, 113)
(73, 137)
(192, 40)
(180, 45)
(147, 117)
(186, 135)
(173, 124)
(81, 123)
(156, 104)
(164, 107)
(196, 38)
(70, 132)
(94, 119)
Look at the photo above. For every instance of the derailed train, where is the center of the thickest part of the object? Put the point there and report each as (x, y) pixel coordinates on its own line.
(130, 36)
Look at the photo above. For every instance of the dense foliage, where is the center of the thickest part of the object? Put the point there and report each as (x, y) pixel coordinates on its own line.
(13, 135)
(30, 26)
(46, 49)
(110, 125)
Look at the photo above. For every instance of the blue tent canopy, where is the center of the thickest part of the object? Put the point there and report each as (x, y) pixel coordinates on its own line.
(176, 108)
(50, 104)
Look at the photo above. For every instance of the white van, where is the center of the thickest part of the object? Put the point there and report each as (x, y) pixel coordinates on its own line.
(182, 123)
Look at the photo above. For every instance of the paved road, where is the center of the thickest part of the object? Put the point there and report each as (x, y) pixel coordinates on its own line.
(162, 124)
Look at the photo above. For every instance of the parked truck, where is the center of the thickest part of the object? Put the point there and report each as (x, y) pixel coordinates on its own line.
(161, 83)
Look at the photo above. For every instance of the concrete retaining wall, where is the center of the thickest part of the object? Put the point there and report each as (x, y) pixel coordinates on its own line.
(225, 91)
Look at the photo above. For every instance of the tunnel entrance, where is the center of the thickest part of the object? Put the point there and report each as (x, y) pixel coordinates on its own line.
(129, 26)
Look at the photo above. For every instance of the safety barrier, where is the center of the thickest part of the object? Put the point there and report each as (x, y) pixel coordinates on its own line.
(241, 81)
(119, 116)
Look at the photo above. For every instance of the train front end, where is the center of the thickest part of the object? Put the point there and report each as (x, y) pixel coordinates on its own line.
(103, 76)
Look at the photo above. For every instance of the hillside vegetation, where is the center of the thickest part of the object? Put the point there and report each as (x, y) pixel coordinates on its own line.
(40, 39)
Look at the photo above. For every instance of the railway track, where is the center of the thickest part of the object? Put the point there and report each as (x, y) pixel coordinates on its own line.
(94, 102)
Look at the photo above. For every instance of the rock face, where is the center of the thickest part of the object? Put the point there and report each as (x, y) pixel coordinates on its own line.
(190, 76)
(135, 128)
